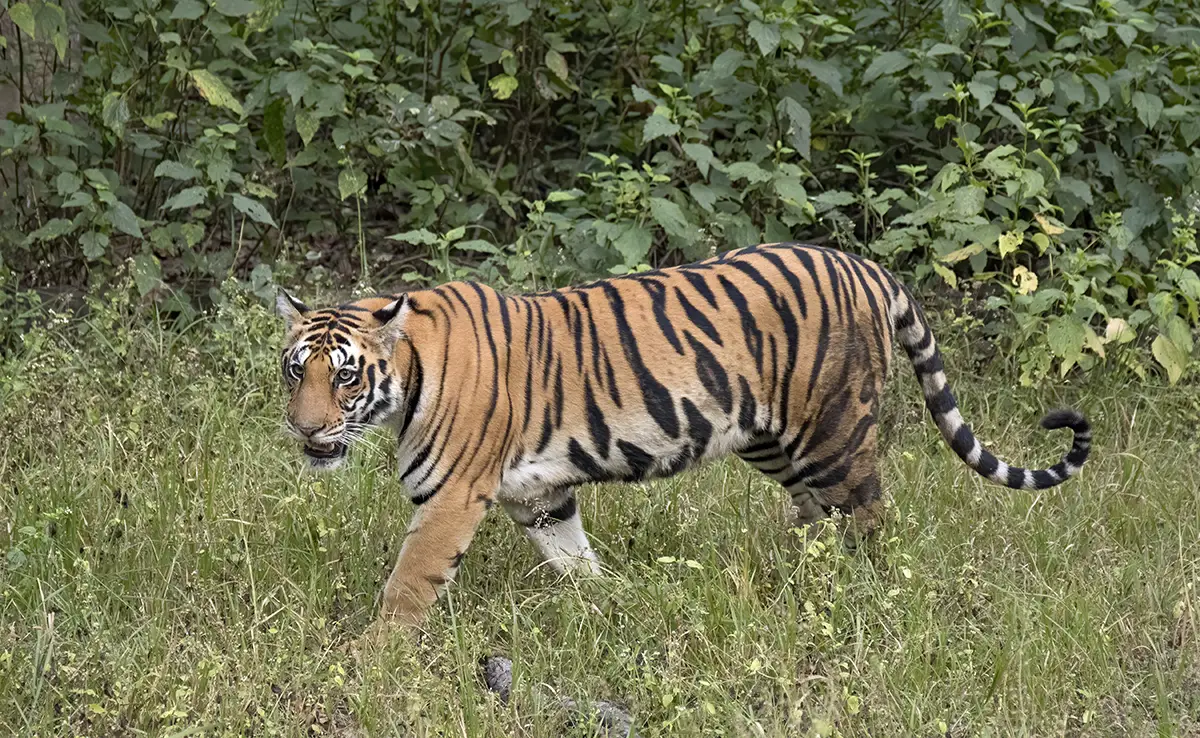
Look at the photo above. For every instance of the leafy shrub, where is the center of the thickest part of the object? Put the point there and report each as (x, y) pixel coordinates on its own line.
(1037, 154)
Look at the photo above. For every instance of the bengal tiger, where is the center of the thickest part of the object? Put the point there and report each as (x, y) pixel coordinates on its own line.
(777, 353)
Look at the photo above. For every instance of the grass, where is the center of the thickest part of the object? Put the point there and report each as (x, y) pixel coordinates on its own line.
(169, 569)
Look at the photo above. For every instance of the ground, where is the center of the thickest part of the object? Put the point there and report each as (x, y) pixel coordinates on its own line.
(169, 568)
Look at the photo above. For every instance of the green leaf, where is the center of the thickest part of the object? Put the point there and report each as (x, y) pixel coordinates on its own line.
(175, 170)
(273, 133)
(766, 35)
(1149, 107)
(969, 201)
(22, 17)
(1066, 335)
(702, 155)
(1126, 32)
(147, 273)
(1170, 356)
(419, 237)
(747, 170)
(307, 125)
(124, 220)
(557, 63)
(668, 64)
(235, 8)
(727, 63)
(1077, 188)
(188, 10)
(824, 72)
(833, 199)
(983, 90)
(657, 126)
(93, 244)
(297, 83)
(54, 228)
(158, 120)
(668, 215)
(704, 195)
(114, 111)
(503, 86)
(214, 90)
(800, 128)
(351, 182)
(67, 183)
(189, 198)
(791, 188)
(479, 246)
(254, 209)
(889, 62)
(633, 244)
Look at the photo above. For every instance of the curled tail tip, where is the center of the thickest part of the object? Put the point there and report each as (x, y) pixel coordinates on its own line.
(1066, 418)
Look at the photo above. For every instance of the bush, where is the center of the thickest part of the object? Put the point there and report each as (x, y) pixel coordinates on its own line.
(1037, 154)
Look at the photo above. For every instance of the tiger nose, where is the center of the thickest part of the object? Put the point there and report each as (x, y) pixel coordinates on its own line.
(307, 429)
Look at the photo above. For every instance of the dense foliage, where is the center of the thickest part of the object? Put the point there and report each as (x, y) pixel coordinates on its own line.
(1038, 155)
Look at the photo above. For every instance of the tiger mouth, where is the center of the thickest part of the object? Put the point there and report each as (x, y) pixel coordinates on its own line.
(325, 451)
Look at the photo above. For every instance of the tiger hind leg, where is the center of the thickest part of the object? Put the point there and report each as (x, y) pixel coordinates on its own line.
(766, 455)
(553, 525)
(851, 487)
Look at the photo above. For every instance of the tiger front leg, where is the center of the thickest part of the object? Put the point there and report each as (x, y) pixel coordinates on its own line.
(553, 525)
(438, 537)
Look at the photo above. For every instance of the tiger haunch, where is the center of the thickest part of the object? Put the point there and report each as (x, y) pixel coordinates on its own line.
(776, 353)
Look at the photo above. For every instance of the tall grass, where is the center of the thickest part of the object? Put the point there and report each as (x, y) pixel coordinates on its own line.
(170, 569)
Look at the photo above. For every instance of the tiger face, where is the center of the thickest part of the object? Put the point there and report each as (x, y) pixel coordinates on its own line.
(339, 365)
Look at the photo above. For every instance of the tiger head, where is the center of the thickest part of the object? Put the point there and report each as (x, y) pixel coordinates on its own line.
(346, 369)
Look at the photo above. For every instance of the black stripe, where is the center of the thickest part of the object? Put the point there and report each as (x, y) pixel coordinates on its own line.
(699, 429)
(639, 461)
(583, 461)
(823, 333)
(746, 406)
(963, 441)
(600, 433)
(547, 431)
(656, 397)
(562, 513)
(658, 305)
(712, 375)
(941, 403)
(698, 283)
(750, 331)
(1016, 477)
(698, 318)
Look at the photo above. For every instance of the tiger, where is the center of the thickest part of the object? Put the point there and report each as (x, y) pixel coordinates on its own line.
(776, 353)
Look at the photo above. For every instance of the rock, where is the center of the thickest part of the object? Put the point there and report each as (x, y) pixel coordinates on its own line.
(497, 675)
(610, 721)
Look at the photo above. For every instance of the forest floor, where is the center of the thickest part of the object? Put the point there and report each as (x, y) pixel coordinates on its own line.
(169, 568)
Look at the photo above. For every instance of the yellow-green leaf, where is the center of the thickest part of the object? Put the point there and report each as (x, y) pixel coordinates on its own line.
(1009, 242)
(946, 274)
(22, 17)
(1025, 280)
(1170, 357)
(307, 125)
(962, 254)
(503, 86)
(351, 182)
(1118, 330)
(215, 91)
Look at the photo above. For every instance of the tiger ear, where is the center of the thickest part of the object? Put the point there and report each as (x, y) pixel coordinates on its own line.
(391, 319)
(289, 308)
